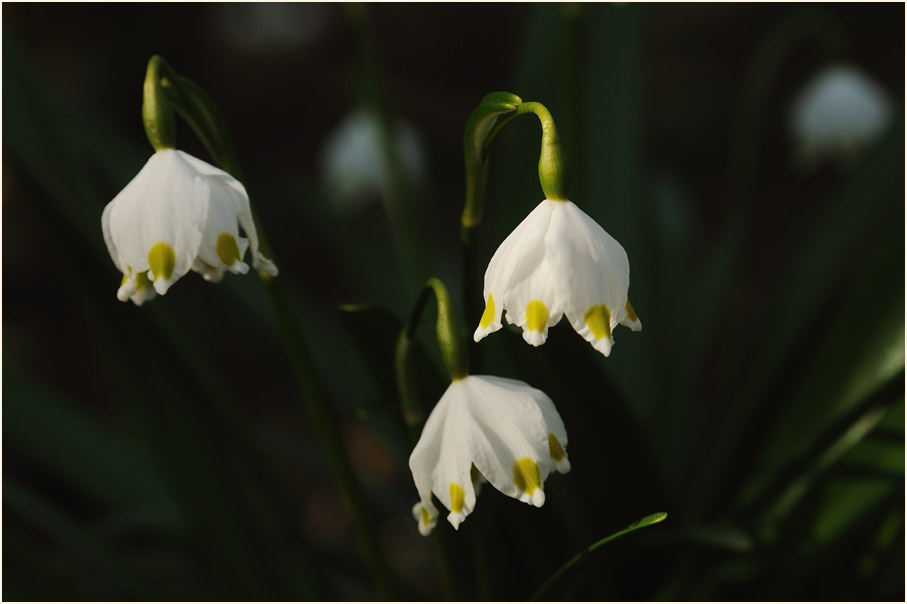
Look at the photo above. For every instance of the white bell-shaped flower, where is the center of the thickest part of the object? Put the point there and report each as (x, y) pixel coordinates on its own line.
(490, 429)
(558, 262)
(838, 111)
(179, 213)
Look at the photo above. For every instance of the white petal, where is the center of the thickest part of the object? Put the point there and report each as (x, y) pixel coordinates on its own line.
(518, 275)
(166, 203)
(264, 265)
(509, 426)
(487, 428)
(135, 288)
(441, 457)
(426, 516)
(108, 238)
(592, 271)
(179, 213)
(239, 204)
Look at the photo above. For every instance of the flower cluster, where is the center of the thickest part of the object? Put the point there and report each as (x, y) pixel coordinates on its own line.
(558, 262)
(180, 214)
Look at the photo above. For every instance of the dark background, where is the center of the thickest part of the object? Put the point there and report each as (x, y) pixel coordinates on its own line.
(163, 452)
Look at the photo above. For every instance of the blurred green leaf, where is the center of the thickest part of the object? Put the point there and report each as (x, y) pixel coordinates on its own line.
(200, 439)
(862, 208)
(52, 431)
(612, 123)
(843, 374)
(796, 490)
(572, 562)
(80, 545)
(846, 500)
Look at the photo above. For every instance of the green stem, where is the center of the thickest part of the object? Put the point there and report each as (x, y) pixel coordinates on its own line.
(484, 124)
(205, 118)
(453, 349)
(494, 112)
(402, 207)
(552, 159)
(157, 114)
(450, 341)
(326, 427)
(198, 109)
(640, 524)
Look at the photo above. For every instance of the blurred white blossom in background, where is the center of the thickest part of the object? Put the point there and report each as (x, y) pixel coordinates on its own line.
(269, 26)
(355, 168)
(837, 114)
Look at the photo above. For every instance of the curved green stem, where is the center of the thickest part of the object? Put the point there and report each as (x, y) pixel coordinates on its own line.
(484, 124)
(450, 340)
(552, 159)
(157, 114)
(494, 112)
(198, 109)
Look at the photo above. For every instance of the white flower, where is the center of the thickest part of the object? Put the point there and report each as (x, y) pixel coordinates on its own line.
(178, 213)
(839, 110)
(355, 166)
(558, 262)
(491, 429)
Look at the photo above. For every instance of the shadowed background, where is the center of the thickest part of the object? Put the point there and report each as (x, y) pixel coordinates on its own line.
(162, 452)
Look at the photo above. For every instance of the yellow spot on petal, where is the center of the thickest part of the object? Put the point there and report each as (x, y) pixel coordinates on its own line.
(598, 319)
(526, 476)
(554, 448)
(426, 517)
(124, 280)
(227, 250)
(488, 315)
(161, 261)
(536, 316)
(457, 498)
(631, 314)
(142, 282)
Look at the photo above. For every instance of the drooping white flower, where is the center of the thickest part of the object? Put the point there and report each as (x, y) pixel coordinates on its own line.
(558, 262)
(179, 213)
(490, 429)
(838, 111)
(355, 164)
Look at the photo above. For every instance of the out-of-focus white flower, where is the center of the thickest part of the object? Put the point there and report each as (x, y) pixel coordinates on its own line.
(490, 429)
(839, 111)
(178, 213)
(355, 167)
(268, 26)
(558, 262)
